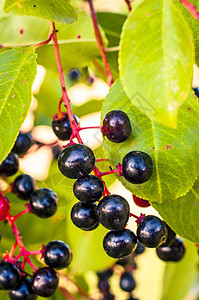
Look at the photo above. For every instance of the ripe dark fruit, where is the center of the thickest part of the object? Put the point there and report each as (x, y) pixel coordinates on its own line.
(127, 261)
(76, 161)
(127, 282)
(113, 212)
(22, 143)
(116, 126)
(173, 253)
(24, 291)
(170, 237)
(10, 165)
(44, 203)
(121, 243)
(196, 90)
(9, 276)
(74, 74)
(57, 255)
(152, 232)
(45, 282)
(62, 127)
(139, 249)
(88, 189)
(4, 207)
(103, 285)
(85, 216)
(137, 167)
(140, 202)
(23, 186)
(105, 274)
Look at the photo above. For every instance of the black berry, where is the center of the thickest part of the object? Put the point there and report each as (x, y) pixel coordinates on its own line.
(152, 232)
(105, 274)
(170, 237)
(74, 74)
(127, 282)
(88, 189)
(76, 161)
(44, 203)
(173, 253)
(139, 249)
(127, 261)
(10, 165)
(24, 291)
(103, 285)
(22, 143)
(85, 216)
(116, 126)
(4, 207)
(119, 243)
(23, 186)
(9, 276)
(113, 212)
(196, 90)
(62, 127)
(57, 255)
(45, 282)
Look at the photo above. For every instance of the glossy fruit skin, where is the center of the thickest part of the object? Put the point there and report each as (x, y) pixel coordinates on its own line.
(170, 237)
(140, 202)
(88, 189)
(196, 90)
(45, 282)
(137, 167)
(127, 261)
(10, 165)
(22, 143)
(74, 74)
(23, 186)
(127, 282)
(152, 232)
(139, 249)
(57, 255)
(113, 212)
(116, 126)
(76, 161)
(23, 292)
(4, 207)
(44, 203)
(62, 127)
(9, 276)
(173, 253)
(85, 216)
(121, 243)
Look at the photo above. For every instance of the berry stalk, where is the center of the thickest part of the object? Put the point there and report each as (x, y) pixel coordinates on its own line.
(128, 5)
(191, 8)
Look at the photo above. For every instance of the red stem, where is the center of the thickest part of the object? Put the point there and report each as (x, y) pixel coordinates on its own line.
(109, 172)
(92, 127)
(20, 214)
(101, 159)
(46, 41)
(191, 8)
(129, 5)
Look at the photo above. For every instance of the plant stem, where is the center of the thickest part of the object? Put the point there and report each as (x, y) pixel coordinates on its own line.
(191, 8)
(129, 5)
(48, 39)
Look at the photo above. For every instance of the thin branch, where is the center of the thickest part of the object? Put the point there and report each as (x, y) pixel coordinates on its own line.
(48, 39)
(191, 8)
(128, 5)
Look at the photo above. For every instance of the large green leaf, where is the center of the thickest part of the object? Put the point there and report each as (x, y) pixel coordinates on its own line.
(174, 151)
(54, 10)
(156, 59)
(18, 70)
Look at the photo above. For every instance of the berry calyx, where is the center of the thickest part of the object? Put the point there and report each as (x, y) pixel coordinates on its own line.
(62, 127)
(152, 232)
(85, 216)
(127, 282)
(23, 292)
(10, 165)
(9, 276)
(113, 212)
(173, 253)
(140, 202)
(23, 186)
(137, 167)
(116, 126)
(4, 207)
(76, 161)
(22, 143)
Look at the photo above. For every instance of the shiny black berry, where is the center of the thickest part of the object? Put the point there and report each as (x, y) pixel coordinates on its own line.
(139, 249)
(24, 291)
(127, 282)
(22, 143)
(116, 126)
(113, 212)
(44, 203)
(9, 276)
(76, 161)
(74, 74)
(106, 274)
(45, 282)
(170, 237)
(173, 253)
(137, 167)
(196, 90)
(10, 165)
(127, 261)
(57, 255)
(62, 127)
(23, 186)
(119, 243)
(152, 232)
(85, 216)
(88, 189)
(103, 285)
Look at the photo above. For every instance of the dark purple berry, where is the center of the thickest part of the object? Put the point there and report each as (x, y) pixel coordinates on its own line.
(9, 276)
(113, 212)
(45, 282)
(173, 253)
(10, 165)
(22, 143)
(139, 249)
(196, 90)
(76, 161)
(23, 186)
(4, 207)
(127, 282)
(57, 255)
(74, 74)
(88, 189)
(170, 237)
(127, 261)
(62, 127)
(103, 285)
(44, 203)
(105, 274)
(119, 243)
(24, 291)
(116, 126)
(56, 151)
(152, 232)
(85, 216)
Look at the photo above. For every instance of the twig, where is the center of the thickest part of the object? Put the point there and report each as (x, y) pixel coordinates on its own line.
(46, 41)
(191, 8)
(128, 4)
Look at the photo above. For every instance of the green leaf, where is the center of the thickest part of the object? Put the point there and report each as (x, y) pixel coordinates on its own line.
(156, 59)
(174, 151)
(193, 23)
(18, 70)
(54, 10)
(179, 276)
